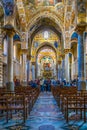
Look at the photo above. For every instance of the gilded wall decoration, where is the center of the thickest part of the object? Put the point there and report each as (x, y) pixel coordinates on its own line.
(60, 9)
(9, 7)
(1, 12)
(45, 2)
(81, 6)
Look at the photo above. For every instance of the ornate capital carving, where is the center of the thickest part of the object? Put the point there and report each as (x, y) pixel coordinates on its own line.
(62, 55)
(59, 62)
(9, 30)
(66, 51)
(33, 63)
(24, 51)
(29, 57)
(80, 29)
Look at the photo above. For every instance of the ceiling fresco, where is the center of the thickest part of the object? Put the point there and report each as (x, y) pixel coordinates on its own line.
(44, 2)
(34, 10)
(46, 63)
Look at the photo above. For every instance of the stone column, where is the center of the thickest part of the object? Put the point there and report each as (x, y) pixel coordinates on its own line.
(56, 70)
(28, 67)
(85, 57)
(21, 67)
(81, 82)
(33, 70)
(67, 75)
(10, 83)
(36, 68)
(24, 68)
(67, 67)
(1, 63)
(59, 70)
(63, 67)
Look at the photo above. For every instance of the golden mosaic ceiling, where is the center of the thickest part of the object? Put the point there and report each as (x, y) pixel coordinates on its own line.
(29, 9)
(59, 12)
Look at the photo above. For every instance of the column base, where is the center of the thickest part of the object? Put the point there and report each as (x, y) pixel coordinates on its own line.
(10, 86)
(81, 85)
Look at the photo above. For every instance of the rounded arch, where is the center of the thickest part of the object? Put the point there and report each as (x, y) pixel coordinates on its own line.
(74, 38)
(74, 35)
(46, 13)
(44, 51)
(46, 44)
(46, 55)
(36, 28)
(45, 27)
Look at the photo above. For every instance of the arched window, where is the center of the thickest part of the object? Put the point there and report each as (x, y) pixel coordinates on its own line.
(46, 35)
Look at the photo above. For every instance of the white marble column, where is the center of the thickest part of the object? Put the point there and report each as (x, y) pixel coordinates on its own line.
(67, 67)
(33, 70)
(28, 68)
(63, 69)
(59, 70)
(38, 69)
(10, 83)
(1, 64)
(24, 68)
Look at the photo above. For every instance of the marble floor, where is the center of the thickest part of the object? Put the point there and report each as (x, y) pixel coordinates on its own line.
(45, 115)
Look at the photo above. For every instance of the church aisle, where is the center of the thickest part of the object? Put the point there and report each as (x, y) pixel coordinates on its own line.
(46, 115)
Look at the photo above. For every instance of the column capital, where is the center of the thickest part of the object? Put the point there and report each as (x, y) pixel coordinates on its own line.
(80, 29)
(24, 51)
(66, 51)
(59, 62)
(9, 30)
(29, 57)
(62, 55)
(33, 63)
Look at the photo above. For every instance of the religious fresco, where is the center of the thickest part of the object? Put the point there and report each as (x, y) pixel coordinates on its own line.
(81, 11)
(46, 36)
(9, 7)
(46, 55)
(47, 66)
(1, 12)
(81, 6)
(44, 2)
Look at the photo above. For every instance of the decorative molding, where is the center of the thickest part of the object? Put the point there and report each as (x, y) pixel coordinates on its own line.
(66, 51)
(59, 62)
(80, 29)
(33, 63)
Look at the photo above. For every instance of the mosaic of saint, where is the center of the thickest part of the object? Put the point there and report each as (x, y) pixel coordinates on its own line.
(9, 7)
